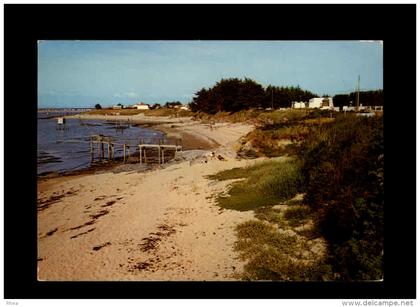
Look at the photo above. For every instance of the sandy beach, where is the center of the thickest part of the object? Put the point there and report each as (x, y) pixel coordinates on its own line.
(161, 224)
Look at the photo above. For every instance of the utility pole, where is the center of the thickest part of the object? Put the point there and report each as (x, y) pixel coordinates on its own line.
(357, 95)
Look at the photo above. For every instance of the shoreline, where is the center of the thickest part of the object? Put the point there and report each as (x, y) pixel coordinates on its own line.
(190, 140)
(183, 127)
(158, 224)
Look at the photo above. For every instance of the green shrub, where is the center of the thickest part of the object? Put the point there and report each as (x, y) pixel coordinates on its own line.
(276, 140)
(343, 168)
(318, 113)
(233, 117)
(282, 116)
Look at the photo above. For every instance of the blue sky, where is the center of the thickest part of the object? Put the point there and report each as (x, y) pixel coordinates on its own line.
(83, 73)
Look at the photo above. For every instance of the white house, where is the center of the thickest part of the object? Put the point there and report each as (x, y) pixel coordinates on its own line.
(184, 108)
(347, 108)
(321, 103)
(298, 105)
(315, 102)
(141, 106)
(374, 108)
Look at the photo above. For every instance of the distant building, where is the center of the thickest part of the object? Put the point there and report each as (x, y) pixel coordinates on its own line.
(298, 105)
(184, 108)
(375, 108)
(117, 106)
(321, 103)
(363, 108)
(347, 108)
(370, 108)
(141, 106)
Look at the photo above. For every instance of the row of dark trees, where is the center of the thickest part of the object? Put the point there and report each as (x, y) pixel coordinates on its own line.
(235, 94)
(172, 104)
(368, 98)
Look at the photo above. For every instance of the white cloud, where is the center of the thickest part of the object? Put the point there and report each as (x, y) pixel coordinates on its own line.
(126, 95)
(132, 95)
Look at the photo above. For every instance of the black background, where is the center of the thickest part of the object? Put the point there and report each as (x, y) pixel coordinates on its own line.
(25, 24)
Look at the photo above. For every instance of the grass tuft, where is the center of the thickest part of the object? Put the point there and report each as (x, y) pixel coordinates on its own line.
(270, 215)
(277, 255)
(297, 215)
(234, 173)
(265, 184)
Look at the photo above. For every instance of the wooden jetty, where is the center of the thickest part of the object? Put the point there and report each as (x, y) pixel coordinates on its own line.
(121, 125)
(101, 141)
(151, 150)
(159, 150)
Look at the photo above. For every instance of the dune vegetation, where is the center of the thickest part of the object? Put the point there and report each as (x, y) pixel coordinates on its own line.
(335, 163)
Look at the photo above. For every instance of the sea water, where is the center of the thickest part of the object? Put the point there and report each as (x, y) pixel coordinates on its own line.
(63, 148)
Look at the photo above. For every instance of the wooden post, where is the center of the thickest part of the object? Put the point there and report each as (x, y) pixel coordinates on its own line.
(163, 156)
(109, 152)
(102, 150)
(141, 158)
(128, 151)
(91, 151)
(159, 154)
(145, 158)
(99, 150)
(124, 152)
